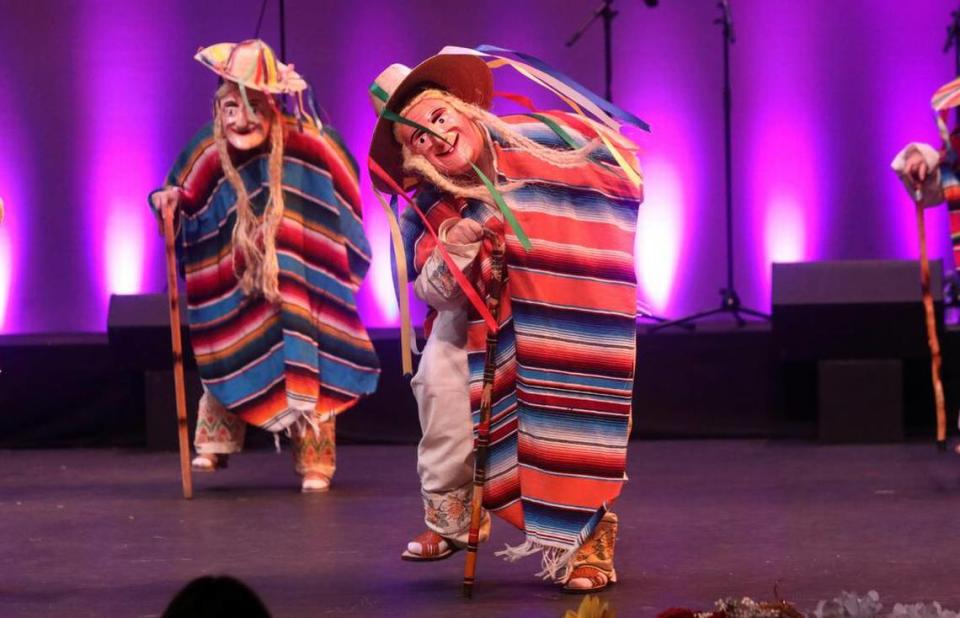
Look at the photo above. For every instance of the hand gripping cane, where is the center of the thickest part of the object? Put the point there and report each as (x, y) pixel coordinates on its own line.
(935, 357)
(495, 287)
(168, 215)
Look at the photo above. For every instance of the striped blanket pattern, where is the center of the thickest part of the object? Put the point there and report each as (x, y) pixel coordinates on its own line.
(950, 182)
(272, 364)
(566, 349)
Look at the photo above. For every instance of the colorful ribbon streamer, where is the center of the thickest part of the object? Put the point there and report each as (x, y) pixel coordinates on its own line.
(573, 94)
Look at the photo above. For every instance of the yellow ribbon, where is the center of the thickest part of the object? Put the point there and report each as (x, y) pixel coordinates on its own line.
(403, 299)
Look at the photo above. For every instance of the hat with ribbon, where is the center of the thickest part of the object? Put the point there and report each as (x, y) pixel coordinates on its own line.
(251, 64)
(466, 77)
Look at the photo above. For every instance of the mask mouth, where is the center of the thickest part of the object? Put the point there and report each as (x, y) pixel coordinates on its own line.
(246, 130)
(453, 145)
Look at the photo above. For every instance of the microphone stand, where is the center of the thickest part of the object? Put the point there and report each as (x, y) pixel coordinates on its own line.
(607, 14)
(729, 299)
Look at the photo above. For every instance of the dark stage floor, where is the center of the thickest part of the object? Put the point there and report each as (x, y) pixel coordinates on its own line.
(105, 532)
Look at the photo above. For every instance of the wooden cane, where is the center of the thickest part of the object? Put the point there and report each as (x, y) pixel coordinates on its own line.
(168, 215)
(936, 359)
(483, 427)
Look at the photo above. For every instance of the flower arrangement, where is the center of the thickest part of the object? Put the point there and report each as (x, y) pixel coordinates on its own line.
(738, 608)
(847, 605)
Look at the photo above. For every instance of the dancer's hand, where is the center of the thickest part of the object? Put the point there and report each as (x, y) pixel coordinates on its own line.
(464, 232)
(915, 168)
(166, 202)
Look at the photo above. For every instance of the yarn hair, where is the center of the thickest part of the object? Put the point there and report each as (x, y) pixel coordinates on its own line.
(255, 237)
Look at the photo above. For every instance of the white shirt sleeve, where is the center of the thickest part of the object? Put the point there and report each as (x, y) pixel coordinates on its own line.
(436, 285)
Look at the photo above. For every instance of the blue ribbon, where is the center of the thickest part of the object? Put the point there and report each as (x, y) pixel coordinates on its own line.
(597, 100)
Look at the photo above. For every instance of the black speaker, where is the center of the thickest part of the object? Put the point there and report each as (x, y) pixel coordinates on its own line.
(860, 400)
(138, 329)
(846, 331)
(852, 309)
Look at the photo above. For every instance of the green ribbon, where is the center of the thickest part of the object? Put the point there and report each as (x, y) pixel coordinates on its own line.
(507, 213)
(556, 128)
(494, 193)
(379, 92)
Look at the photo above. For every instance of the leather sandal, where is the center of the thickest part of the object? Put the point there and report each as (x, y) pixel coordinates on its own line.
(428, 547)
(209, 462)
(587, 578)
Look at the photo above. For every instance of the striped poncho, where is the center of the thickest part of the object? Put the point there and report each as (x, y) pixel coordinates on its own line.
(272, 364)
(566, 348)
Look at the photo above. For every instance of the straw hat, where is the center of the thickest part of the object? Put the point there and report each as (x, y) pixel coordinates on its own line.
(251, 64)
(464, 76)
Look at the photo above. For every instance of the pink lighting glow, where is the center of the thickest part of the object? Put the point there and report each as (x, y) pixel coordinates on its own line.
(6, 272)
(15, 176)
(123, 258)
(659, 233)
(784, 196)
(124, 232)
(122, 239)
(784, 231)
(381, 274)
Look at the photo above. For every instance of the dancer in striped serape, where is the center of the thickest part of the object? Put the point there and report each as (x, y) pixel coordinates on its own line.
(273, 251)
(566, 347)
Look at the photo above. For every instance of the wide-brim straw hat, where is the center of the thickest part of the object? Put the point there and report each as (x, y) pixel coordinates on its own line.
(465, 77)
(251, 64)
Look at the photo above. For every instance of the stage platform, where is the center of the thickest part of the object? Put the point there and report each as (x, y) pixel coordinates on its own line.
(91, 532)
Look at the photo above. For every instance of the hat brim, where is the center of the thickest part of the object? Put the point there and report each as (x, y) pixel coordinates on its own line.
(466, 77)
(214, 56)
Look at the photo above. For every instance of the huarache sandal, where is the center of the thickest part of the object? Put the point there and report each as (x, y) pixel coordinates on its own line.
(429, 546)
(587, 578)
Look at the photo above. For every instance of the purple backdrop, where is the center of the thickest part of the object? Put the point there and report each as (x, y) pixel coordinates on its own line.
(96, 98)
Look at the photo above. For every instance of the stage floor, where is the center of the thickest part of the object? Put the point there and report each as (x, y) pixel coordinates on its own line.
(106, 533)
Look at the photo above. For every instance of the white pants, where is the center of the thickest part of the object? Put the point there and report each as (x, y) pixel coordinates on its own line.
(445, 453)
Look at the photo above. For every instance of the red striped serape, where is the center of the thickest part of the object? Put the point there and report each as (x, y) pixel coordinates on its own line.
(566, 349)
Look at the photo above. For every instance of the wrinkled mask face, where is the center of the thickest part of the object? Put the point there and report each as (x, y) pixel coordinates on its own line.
(243, 130)
(462, 143)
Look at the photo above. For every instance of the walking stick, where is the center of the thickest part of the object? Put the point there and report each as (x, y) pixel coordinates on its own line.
(936, 359)
(498, 276)
(181, 397)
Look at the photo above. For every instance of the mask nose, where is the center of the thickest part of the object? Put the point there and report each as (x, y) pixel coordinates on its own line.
(443, 142)
(243, 119)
